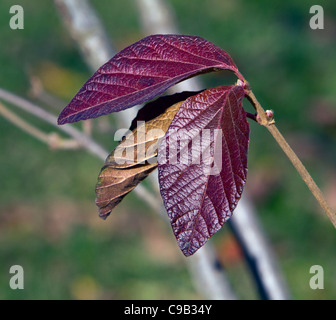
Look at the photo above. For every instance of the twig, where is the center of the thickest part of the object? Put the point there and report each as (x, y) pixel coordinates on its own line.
(38, 91)
(292, 157)
(84, 141)
(53, 140)
(259, 256)
(24, 125)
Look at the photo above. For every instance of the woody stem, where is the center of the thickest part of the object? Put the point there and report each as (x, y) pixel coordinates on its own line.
(292, 157)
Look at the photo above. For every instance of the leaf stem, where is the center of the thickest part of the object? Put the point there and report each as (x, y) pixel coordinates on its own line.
(251, 116)
(265, 121)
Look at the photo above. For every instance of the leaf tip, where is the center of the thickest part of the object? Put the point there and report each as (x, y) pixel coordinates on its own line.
(103, 215)
(60, 121)
(62, 118)
(186, 250)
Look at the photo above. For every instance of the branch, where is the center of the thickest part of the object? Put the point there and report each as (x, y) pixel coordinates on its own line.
(87, 30)
(209, 276)
(156, 15)
(259, 256)
(53, 140)
(37, 91)
(83, 140)
(24, 125)
(265, 121)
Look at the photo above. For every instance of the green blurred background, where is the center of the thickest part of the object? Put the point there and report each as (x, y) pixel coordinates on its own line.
(48, 220)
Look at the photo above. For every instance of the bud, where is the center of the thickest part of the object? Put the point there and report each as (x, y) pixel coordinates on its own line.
(243, 84)
(269, 117)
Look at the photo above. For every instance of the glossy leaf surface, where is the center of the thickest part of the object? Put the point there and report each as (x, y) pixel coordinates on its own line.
(143, 71)
(203, 164)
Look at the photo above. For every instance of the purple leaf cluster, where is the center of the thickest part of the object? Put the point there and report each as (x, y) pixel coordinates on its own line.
(202, 159)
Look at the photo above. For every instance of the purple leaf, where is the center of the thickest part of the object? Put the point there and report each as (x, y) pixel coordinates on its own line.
(203, 164)
(143, 71)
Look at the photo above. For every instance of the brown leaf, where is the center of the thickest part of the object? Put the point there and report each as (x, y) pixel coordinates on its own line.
(132, 161)
(114, 184)
(142, 143)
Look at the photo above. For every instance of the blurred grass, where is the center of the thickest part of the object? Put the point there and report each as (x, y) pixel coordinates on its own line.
(48, 220)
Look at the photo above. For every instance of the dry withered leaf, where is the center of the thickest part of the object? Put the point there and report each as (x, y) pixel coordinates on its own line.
(141, 144)
(114, 184)
(132, 161)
